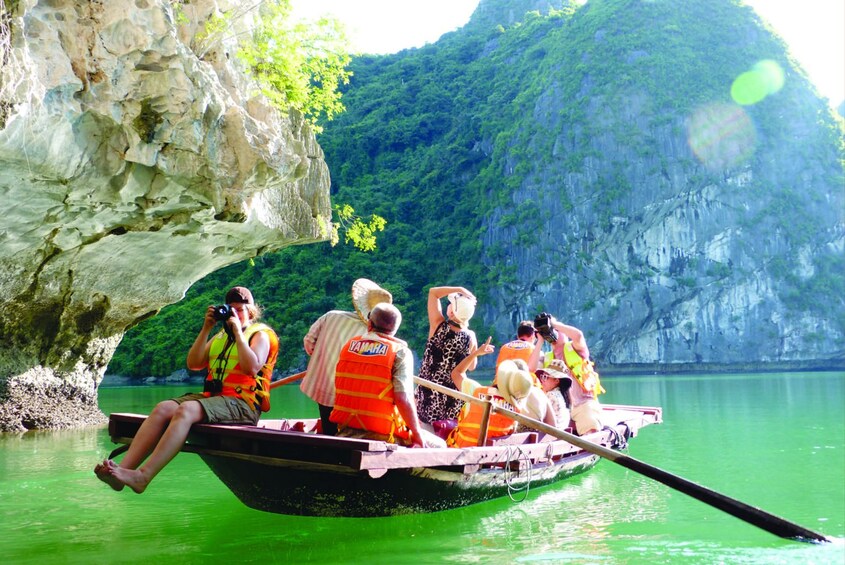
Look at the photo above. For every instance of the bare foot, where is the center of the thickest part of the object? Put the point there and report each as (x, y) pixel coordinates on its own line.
(102, 472)
(132, 478)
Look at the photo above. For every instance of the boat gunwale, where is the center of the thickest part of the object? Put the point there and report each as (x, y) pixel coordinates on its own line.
(373, 456)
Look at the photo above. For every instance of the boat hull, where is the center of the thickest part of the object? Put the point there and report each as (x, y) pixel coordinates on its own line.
(310, 492)
(277, 467)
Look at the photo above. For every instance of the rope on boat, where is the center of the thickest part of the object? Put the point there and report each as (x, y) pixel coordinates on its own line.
(510, 476)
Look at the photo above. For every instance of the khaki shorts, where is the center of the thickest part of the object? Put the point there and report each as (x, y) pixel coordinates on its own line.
(222, 409)
(587, 416)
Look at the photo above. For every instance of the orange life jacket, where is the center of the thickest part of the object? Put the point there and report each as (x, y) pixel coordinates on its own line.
(516, 349)
(583, 371)
(223, 365)
(364, 387)
(469, 420)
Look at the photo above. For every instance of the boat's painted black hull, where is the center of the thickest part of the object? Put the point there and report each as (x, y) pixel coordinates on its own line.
(274, 468)
(310, 492)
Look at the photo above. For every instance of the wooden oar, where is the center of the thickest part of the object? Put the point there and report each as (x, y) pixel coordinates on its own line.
(287, 380)
(756, 516)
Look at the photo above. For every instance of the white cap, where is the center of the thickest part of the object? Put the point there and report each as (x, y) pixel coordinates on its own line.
(463, 307)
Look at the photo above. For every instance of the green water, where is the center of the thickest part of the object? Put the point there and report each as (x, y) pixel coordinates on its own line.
(775, 441)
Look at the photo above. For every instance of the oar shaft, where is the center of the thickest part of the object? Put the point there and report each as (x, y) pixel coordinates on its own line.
(287, 380)
(756, 516)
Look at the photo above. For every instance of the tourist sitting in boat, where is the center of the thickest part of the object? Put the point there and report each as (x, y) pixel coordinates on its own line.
(327, 336)
(514, 390)
(570, 351)
(556, 385)
(531, 400)
(239, 359)
(374, 383)
(449, 341)
(524, 347)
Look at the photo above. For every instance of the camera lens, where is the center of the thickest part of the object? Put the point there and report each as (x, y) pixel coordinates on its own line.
(222, 312)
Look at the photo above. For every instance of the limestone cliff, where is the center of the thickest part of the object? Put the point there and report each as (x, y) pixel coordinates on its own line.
(130, 167)
(673, 224)
(604, 161)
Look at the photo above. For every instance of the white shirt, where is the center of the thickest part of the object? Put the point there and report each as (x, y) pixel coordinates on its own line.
(328, 335)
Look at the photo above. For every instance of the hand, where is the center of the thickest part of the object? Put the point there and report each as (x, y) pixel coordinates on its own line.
(468, 294)
(233, 325)
(485, 348)
(209, 321)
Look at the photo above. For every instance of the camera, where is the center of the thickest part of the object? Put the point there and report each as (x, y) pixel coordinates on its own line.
(222, 312)
(543, 325)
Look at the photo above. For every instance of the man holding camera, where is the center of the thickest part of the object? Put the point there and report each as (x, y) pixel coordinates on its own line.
(239, 359)
(525, 346)
(569, 347)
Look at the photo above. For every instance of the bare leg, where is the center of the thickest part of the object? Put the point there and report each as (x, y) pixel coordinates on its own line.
(186, 415)
(142, 444)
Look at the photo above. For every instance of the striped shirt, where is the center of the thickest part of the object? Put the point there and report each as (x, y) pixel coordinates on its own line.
(327, 336)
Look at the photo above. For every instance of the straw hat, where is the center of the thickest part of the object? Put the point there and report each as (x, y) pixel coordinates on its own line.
(556, 370)
(463, 307)
(365, 295)
(513, 383)
(560, 366)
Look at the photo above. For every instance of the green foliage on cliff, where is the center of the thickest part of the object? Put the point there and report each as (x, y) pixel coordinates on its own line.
(466, 147)
(298, 65)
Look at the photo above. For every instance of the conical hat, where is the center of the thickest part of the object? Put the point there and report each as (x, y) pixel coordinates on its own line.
(365, 295)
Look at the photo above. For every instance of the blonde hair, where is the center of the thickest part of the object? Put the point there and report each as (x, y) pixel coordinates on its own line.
(255, 312)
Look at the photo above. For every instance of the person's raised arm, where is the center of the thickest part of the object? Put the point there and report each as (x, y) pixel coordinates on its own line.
(435, 314)
(459, 373)
(198, 353)
(534, 358)
(473, 347)
(579, 342)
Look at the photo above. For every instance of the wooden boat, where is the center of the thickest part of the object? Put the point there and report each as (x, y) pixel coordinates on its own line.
(271, 467)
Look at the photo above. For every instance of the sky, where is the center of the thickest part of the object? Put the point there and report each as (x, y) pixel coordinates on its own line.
(813, 29)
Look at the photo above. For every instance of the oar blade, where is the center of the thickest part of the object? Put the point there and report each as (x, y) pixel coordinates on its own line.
(751, 514)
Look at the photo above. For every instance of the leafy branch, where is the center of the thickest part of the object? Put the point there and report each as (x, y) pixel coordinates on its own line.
(361, 233)
(298, 65)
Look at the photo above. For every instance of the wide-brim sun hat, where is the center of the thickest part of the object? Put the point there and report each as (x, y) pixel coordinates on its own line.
(365, 295)
(552, 372)
(560, 366)
(463, 307)
(513, 383)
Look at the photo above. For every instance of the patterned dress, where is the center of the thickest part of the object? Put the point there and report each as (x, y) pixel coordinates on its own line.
(444, 350)
(558, 405)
